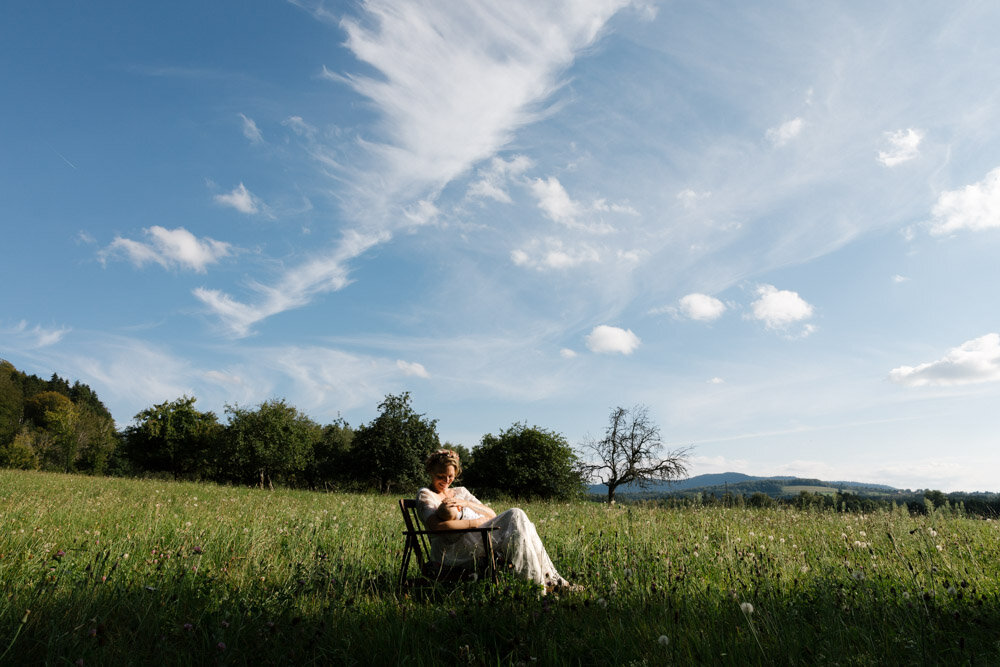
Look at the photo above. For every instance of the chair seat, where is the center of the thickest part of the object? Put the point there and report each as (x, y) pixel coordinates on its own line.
(416, 542)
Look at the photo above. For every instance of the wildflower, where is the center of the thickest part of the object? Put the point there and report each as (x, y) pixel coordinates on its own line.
(863, 534)
(189, 627)
(858, 575)
(804, 569)
(221, 646)
(940, 547)
(225, 624)
(932, 532)
(906, 595)
(60, 553)
(602, 602)
(197, 550)
(664, 640)
(746, 608)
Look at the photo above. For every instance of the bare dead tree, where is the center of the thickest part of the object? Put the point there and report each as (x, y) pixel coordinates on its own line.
(629, 452)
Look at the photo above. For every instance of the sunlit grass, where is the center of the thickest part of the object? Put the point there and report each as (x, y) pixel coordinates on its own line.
(121, 571)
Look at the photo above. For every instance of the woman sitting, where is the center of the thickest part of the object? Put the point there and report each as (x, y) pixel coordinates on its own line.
(442, 507)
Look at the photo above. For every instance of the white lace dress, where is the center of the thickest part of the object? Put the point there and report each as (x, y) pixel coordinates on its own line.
(515, 540)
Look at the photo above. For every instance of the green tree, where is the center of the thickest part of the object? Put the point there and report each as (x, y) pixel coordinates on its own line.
(11, 403)
(173, 437)
(331, 463)
(19, 453)
(273, 444)
(526, 462)
(390, 451)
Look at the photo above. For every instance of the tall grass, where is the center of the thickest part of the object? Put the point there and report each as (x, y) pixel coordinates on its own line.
(119, 571)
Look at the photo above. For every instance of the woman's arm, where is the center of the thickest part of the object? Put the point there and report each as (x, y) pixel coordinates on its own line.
(466, 499)
(435, 523)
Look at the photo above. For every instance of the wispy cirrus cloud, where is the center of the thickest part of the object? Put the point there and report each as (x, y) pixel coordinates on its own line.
(251, 131)
(35, 337)
(972, 362)
(975, 207)
(559, 207)
(552, 253)
(491, 181)
(324, 273)
(170, 248)
(456, 81)
(784, 133)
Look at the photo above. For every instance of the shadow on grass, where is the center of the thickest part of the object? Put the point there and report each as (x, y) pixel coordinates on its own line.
(360, 617)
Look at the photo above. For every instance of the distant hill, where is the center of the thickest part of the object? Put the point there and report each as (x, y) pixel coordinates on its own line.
(741, 484)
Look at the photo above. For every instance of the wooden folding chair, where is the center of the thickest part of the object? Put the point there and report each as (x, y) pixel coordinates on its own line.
(417, 542)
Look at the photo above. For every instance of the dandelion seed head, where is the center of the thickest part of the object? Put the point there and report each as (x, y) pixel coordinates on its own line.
(663, 640)
(746, 608)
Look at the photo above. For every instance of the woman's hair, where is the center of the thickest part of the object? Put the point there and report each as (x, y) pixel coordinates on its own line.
(441, 459)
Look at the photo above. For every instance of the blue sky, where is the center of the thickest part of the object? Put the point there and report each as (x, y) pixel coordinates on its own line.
(776, 226)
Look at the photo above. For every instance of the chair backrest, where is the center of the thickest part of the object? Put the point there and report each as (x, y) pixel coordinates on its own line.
(417, 540)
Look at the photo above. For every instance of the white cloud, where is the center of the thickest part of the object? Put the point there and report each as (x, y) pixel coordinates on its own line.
(689, 198)
(169, 248)
(295, 288)
(605, 339)
(567, 353)
(975, 207)
(974, 361)
(899, 279)
(556, 203)
(37, 336)
(456, 80)
(554, 254)
(905, 145)
(422, 212)
(717, 380)
(492, 180)
(241, 199)
(778, 309)
(782, 134)
(251, 131)
(412, 368)
(701, 307)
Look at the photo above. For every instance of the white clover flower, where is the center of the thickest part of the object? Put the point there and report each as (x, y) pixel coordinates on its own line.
(940, 547)
(602, 603)
(906, 595)
(932, 532)
(746, 608)
(664, 640)
(863, 533)
(804, 569)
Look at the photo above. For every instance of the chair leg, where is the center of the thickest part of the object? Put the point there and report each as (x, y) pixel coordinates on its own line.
(405, 566)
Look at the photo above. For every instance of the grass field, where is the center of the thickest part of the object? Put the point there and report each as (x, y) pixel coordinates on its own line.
(113, 571)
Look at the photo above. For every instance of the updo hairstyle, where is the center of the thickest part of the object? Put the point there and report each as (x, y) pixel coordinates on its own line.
(441, 459)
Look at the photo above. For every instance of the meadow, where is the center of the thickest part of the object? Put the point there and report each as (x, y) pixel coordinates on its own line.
(113, 571)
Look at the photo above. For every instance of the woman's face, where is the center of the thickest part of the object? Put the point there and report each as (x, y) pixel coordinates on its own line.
(442, 478)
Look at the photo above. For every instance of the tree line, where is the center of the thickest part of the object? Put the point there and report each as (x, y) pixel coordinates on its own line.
(52, 425)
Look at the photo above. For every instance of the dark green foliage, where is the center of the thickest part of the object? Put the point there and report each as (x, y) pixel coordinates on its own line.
(273, 444)
(389, 452)
(525, 462)
(11, 403)
(175, 438)
(331, 463)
